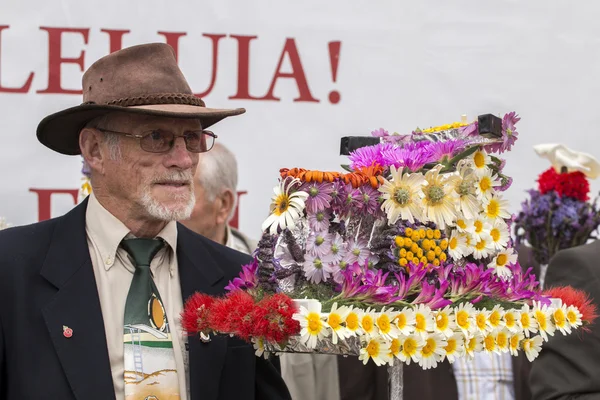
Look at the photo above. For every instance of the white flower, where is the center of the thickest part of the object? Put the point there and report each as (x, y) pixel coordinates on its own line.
(286, 208)
(405, 321)
(438, 198)
(480, 162)
(259, 345)
(433, 351)
(532, 347)
(4, 224)
(481, 321)
(335, 320)
(499, 234)
(312, 324)
(463, 184)
(423, 320)
(457, 245)
(465, 318)
(495, 207)
(515, 343)
(367, 323)
(353, 321)
(486, 184)
(473, 344)
(503, 340)
(383, 321)
(526, 321)
(574, 317)
(411, 349)
(377, 350)
(479, 227)
(483, 247)
(542, 315)
(511, 320)
(455, 347)
(495, 318)
(501, 263)
(444, 322)
(402, 196)
(395, 349)
(489, 343)
(463, 223)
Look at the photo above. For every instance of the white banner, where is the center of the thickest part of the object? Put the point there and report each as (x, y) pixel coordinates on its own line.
(308, 73)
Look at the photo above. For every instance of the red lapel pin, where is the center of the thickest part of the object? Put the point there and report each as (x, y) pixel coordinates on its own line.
(67, 332)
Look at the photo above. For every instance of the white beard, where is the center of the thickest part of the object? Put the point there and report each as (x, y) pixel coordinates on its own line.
(161, 212)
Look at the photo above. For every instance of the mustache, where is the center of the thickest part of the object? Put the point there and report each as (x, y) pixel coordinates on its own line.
(174, 176)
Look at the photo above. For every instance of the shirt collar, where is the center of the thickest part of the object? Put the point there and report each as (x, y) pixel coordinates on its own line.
(107, 232)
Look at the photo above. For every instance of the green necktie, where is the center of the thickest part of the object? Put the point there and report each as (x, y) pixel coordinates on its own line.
(149, 359)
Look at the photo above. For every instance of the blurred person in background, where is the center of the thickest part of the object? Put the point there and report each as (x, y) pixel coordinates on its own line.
(215, 188)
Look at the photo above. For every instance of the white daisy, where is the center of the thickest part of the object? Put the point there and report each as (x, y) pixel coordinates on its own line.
(574, 317)
(438, 198)
(424, 321)
(480, 162)
(457, 245)
(411, 349)
(383, 321)
(479, 227)
(259, 346)
(532, 347)
(462, 223)
(353, 321)
(335, 321)
(489, 343)
(499, 234)
(433, 351)
(444, 322)
(377, 350)
(511, 320)
(405, 321)
(559, 317)
(455, 347)
(312, 324)
(503, 340)
(515, 343)
(483, 247)
(367, 323)
(395, 349)
(402, 196)
(527, 322)
(542, 315)
(502, 261)
(482, 324)
(495, 318)
(463, 183)
(287, 206)
(465, 318)
(473, 344)
(495, 207)
(486, 185)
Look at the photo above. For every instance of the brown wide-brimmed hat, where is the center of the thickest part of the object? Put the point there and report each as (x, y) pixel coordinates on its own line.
(142, 79)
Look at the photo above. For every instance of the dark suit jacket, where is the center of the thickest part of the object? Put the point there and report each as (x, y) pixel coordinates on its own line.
(568, 367)
(47, 281)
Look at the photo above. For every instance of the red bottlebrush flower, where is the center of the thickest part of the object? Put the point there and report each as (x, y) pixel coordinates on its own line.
(233, 314)
(574, 185)
(195, 314)
(548, 180)
(575, 297)
(273, 318)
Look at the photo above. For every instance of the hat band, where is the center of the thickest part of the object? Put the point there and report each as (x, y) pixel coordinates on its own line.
(153, 99)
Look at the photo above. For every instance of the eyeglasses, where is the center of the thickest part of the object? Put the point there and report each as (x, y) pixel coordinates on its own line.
(162, 140)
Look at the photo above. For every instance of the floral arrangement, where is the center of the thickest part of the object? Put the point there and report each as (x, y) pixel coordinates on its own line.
(86, 187)
(406, 257)
(558, 214)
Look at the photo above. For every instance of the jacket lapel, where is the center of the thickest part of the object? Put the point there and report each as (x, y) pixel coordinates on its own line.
(83, 356)
(199, 272)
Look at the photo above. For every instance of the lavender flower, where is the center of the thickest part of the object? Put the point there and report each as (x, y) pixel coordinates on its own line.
(369, 203)
(337, 249)
(319, 196)
(358, 251)
(319, 221)
(317, 269)
(318, 243)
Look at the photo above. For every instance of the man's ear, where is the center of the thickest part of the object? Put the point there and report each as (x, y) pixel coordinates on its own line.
(90, 144)
(225, 206)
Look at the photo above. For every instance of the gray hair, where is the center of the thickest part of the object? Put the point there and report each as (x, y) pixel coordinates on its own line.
(217, 171)
(111, 139)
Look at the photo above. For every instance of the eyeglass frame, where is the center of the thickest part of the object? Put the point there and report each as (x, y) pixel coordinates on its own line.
(204, 131)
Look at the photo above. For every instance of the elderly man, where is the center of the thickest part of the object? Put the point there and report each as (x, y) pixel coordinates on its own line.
(216, 200)
(92, 298)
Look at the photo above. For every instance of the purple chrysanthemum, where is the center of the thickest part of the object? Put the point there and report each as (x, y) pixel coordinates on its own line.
(369, 204)
(358, 251)
(319, 196)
